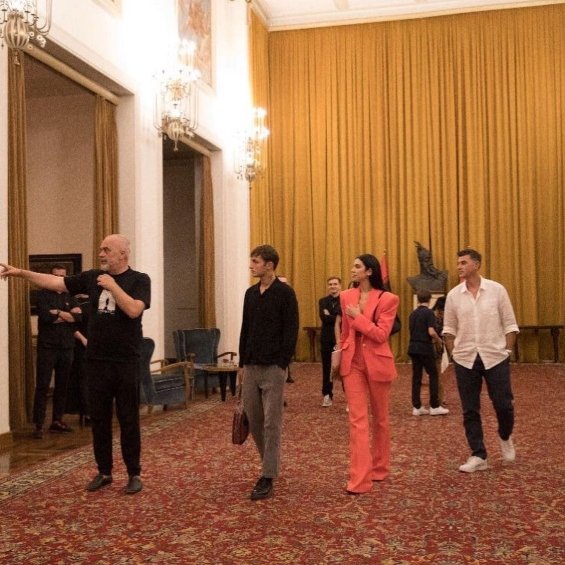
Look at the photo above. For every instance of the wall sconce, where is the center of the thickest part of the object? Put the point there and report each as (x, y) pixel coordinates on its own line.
(176, 107)
(250, 155)
(20, 23)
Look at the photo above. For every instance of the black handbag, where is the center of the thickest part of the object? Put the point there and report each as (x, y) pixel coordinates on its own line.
(240, 423)
(397, 324)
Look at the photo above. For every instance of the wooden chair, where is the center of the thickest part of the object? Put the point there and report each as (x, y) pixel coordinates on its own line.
(200, 345)
(167, 384)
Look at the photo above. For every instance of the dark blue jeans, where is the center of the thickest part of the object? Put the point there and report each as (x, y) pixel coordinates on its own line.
(107, 381)
(469, 383)
(49, 360)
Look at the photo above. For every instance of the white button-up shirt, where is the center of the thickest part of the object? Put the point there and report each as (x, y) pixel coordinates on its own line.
(480, 323)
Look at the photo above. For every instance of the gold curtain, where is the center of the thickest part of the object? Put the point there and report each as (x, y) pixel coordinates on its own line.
(260, 201)
(207, 252)
(21, 379)
(105, 173)
(445, 130)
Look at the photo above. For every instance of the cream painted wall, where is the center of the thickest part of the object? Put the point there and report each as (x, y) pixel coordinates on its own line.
(129, 49)
(61, 162)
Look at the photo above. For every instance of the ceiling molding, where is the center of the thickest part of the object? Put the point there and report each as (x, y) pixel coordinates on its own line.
(294, 18)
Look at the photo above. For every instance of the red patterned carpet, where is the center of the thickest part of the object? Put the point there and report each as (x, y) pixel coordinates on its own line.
(195, 509)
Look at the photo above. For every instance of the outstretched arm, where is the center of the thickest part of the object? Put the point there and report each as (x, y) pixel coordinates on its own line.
(42, 280)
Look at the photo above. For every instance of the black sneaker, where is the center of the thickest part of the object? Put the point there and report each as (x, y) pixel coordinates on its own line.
(59, 427)
(134, 485)
(263, 489)
(98, 482)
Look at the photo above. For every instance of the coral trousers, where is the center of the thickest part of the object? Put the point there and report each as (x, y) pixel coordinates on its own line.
(369, 461)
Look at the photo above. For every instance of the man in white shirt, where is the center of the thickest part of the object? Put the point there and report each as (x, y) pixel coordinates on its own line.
(480, 331)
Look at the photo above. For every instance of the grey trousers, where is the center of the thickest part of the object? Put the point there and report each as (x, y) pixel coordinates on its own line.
(262, 394)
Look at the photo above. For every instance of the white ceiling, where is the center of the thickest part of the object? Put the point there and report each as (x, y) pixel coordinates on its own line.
(284, 14)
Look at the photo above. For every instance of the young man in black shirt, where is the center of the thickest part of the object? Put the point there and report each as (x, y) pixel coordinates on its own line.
(56, 316)
(118, 296)
(267, 341)
(423, 337)
(328, 307)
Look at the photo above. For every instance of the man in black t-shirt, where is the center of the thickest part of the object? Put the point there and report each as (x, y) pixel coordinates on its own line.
(423, 336)
(118, 296)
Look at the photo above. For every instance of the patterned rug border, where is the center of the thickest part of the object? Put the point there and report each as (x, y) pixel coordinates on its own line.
(21, 482)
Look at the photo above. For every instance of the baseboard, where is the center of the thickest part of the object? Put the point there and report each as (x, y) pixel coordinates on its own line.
(6, 441)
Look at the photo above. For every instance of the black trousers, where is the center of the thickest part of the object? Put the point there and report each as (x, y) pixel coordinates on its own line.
(49, 360)
(469, 383)
(327, 384)
(109, 381)
(419, 363)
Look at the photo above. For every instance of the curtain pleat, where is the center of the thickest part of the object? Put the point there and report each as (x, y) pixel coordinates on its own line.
(21, 378)
(448, 131)
(261, 232)
(105, 173)
(207, 253)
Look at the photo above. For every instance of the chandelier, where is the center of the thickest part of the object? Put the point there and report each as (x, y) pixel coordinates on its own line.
(177, 96)
(251, 148)
(20, 23)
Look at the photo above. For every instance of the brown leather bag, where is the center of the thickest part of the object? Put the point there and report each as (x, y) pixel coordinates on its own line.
(240, 424)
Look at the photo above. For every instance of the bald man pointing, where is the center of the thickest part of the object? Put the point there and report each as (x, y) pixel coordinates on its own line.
(118, 295)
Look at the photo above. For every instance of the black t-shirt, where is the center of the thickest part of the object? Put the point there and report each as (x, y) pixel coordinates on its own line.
(420, 340)
(112, 334)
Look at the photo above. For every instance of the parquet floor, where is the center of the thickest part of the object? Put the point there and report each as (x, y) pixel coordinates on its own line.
(26, 452)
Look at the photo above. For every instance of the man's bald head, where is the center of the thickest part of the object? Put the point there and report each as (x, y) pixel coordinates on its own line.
(114, 253)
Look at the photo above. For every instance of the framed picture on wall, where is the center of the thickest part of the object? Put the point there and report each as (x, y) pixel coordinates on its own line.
(72, 262)
(195, 24)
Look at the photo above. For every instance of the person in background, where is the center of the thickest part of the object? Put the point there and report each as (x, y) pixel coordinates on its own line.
(368, 369)
(480, 331)
(77, 397)
(438, 309)
(328, 308)
(57, 313)
(118, 297)
(421, 349)
(269, 331)
(289, 378)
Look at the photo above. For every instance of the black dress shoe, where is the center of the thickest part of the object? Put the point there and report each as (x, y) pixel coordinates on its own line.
(134, 485)
(98, 482)
(263, 489)
(59, 427)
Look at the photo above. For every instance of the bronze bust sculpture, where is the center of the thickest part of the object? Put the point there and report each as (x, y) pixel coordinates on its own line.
(430, 278)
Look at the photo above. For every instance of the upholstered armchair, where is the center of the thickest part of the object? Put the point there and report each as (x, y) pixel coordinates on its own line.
(168, 383)
(200, 346)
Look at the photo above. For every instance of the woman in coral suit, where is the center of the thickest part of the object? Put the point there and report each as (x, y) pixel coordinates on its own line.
(368, 369)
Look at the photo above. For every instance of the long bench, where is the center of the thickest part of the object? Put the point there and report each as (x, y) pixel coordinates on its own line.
(553, 329)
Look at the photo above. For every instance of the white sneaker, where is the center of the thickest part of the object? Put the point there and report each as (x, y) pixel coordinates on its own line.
(420, 411)
(439, 411)
(327, 401)
(474, 464)
(507, 448)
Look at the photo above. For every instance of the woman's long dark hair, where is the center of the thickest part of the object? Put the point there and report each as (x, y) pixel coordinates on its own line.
(376, 277)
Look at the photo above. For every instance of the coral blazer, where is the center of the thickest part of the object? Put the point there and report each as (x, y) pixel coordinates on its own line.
(374, 324)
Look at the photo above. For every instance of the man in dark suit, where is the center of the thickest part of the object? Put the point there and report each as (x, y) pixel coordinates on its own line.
(329, 309)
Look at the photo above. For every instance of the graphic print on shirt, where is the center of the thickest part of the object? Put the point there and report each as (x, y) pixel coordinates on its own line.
(106, 303)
